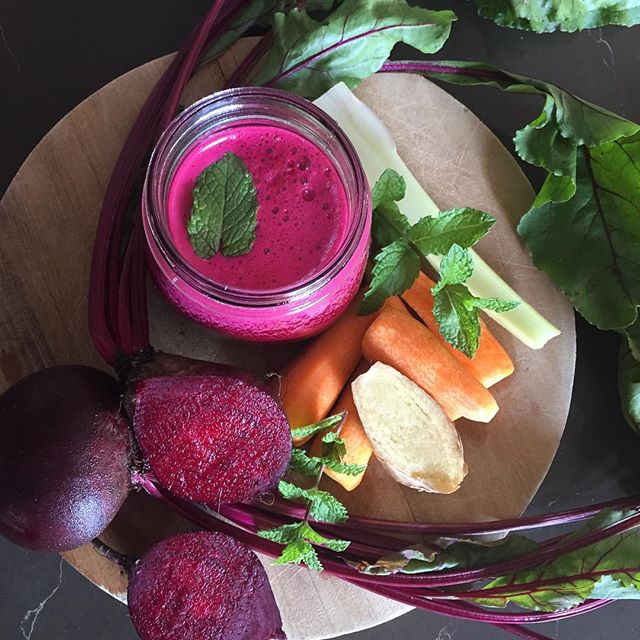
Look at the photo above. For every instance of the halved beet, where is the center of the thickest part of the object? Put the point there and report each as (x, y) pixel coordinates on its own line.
(64, 457)
(214, 439)
(202, 586)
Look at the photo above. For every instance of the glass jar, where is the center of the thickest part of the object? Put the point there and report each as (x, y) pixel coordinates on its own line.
(287, 313)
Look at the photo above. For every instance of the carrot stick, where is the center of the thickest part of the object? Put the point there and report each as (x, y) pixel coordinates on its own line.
(313, 381)
(491, 362)
(406, 344)
(355, 439)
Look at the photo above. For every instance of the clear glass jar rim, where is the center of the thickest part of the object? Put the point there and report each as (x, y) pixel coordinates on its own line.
(222, 292)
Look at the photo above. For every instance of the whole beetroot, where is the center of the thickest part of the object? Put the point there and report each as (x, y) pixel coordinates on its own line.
(64, 457)
(202, 586)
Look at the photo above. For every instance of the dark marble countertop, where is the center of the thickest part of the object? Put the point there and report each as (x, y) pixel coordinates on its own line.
(54, 54)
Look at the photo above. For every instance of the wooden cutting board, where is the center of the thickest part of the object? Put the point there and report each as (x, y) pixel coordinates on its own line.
(47, 222)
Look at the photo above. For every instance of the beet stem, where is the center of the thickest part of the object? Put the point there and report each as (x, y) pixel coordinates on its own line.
(243, 70)
(459, 529)
(504, 620)
(106, 264)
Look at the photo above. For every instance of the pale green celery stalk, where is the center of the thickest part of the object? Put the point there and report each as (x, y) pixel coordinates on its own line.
(377, 151)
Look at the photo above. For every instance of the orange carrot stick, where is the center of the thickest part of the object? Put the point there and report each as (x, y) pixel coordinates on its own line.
(491, 362)
(404, 343)
(355, 439)
(313, 381)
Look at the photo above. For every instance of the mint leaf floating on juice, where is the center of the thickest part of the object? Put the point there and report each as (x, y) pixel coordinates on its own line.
(377, 151)
(224, 209)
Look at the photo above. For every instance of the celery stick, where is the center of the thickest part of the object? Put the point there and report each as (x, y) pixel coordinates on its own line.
(377, 151)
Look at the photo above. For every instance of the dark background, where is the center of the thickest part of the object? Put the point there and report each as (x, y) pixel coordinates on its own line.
(54, 54)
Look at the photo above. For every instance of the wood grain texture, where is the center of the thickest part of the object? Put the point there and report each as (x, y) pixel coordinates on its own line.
(47, 221)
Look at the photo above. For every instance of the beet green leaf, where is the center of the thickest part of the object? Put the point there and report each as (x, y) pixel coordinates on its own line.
(308, 57)
(563, 15)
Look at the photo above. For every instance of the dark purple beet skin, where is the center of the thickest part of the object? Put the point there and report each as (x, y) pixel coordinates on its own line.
(214, 439)
(202, 586)
(64, 457)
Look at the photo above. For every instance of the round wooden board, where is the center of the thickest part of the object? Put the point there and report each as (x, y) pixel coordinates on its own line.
(47, 221)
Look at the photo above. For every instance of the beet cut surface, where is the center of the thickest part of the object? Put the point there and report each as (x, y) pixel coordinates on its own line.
(64, 457)
(202, 586)
(214, 439)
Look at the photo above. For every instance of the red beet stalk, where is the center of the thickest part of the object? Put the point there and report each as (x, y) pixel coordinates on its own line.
(377, 584)
(107, 321)
(460, 529)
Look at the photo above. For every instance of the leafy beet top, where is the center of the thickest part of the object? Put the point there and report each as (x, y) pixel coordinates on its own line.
(214, 439)
(202, 586)
(64, 457)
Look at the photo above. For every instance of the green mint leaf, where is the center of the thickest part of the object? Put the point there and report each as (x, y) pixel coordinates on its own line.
(390, 187)
(284, 534)
(325, 507)
(396, 268)
(309, 57)
(332, 436)
(388, 224)
(563, 15)
(495, 304)
(455, 308)
(455, 268)
(337, 545)
(589, 244)
(223, 216)
(344, 467)
(323, 425)
(300, 551)
(290, 491)
(299, 539)
(330, 543)
(303, 463)
(437, 234)
(457, 317)
(333, 446)
(609, 565)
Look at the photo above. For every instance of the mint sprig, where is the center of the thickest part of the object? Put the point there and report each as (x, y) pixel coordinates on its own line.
(224, 211)
(396, 268)
(405, 249)
(455, 307)
(299, 538)
(312, 429)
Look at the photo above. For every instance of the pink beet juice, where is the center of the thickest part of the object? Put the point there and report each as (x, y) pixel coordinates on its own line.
(313, 218)
(302, 208)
